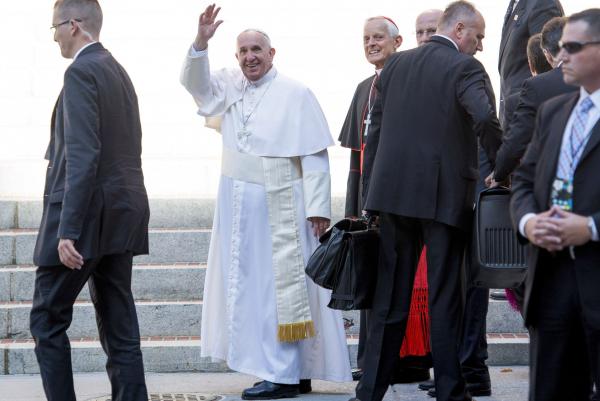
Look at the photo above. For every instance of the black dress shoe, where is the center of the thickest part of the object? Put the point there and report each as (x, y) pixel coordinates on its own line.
(475, 389)
(305, 386)
(409, 375)
(357, 374)
(267, 390)
(426, 385)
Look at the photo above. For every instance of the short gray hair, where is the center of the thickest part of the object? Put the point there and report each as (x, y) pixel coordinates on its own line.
(263, 33)
(88, 11)
(456, 12)
(390, 25)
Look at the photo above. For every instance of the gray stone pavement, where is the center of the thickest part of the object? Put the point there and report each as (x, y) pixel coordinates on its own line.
(508, 384)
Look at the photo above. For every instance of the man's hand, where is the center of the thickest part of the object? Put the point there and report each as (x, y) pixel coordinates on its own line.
(490, 182)
(572, 228)
(319, 225)
(68, 254)
(207, 26)
(542, 231)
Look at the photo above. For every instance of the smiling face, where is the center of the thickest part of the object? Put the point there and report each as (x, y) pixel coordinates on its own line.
(583, 67)
(254, 55)
(378, 43)
(63, 34)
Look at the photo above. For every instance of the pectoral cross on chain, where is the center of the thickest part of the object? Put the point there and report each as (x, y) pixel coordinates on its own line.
(367, 124)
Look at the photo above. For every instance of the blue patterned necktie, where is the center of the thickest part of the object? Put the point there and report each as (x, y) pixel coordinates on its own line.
(570, 154)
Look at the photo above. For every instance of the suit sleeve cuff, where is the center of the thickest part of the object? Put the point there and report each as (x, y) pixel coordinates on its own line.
(524, 221)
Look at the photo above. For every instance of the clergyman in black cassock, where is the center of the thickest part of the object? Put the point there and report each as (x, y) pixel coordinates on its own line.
(95, 214)
(434, 102)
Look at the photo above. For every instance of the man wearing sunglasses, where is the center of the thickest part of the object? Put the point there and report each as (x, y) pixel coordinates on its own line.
(556, 206)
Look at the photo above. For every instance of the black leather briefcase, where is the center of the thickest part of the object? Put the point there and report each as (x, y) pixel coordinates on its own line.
(331, 253)
(498, 259)
(355, 279)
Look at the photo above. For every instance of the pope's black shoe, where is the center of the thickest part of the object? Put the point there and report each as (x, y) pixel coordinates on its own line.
(267, 390)
(304, 387)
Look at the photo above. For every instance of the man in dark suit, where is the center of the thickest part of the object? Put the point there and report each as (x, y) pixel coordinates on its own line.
(523, 19)
(534, 92)
(556, 207)
(95, 216)
(434, 102)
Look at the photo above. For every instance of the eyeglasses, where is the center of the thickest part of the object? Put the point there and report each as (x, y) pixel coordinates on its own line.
(55, 26)
(576, 47)
(429, 31)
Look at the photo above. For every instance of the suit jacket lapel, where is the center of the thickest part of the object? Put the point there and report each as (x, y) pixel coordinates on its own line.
(592, 142)
(50, 149)
(509, 27)
(553, 146)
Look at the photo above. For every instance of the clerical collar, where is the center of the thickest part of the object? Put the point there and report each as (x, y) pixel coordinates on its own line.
(446, 37)
(265, 78)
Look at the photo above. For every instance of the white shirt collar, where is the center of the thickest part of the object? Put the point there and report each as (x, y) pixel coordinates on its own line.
(446, 37)
(80, 50)
(377, 72)
(265, 78)
(594, 97)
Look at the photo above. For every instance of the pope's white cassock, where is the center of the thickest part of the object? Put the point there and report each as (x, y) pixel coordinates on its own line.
(275, 174)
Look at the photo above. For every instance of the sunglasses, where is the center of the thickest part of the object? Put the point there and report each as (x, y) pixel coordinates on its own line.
(576, 47)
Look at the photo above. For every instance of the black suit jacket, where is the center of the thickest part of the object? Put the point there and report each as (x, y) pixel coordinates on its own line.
(534, 92)
(433, 103)
(533, 180)
(94, 191)
(531, 15)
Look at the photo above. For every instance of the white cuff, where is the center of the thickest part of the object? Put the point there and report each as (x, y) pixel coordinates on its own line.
(193, 53)
(524, 221)
(317, 194)
(593, 229)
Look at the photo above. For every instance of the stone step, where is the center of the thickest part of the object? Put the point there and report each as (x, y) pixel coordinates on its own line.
(166, 246)
(501, 318)
(149, 282)
(164, 213)
(182, 354)
(171, 318)
(165, 318)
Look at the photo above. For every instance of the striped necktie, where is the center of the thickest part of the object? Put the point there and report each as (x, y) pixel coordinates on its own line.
(570, 154)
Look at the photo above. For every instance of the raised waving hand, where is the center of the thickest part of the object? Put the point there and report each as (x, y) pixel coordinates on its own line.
(207, 26)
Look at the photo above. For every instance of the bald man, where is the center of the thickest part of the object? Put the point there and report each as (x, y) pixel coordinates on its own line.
(261, 314)
(426, 25)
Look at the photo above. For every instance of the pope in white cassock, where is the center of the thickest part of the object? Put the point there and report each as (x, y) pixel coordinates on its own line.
(261, 313)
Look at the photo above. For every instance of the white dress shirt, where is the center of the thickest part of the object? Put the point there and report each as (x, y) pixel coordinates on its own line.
(592, 119)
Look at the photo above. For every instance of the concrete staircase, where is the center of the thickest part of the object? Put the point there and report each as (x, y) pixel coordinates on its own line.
(168, 287)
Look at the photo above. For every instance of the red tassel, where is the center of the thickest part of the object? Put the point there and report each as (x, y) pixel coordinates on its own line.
(416, 339)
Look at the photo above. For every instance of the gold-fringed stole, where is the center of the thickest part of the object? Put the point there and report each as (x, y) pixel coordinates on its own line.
(295, 331)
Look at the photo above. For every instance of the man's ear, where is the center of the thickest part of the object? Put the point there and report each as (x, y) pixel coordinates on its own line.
(459, 29)
(397, 41)
(272, 52)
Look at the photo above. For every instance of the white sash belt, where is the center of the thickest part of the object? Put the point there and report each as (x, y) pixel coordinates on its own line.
(277, 174)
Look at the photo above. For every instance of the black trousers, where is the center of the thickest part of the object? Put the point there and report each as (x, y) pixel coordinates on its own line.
(56, 288)
(564, 329)
(402, 240)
